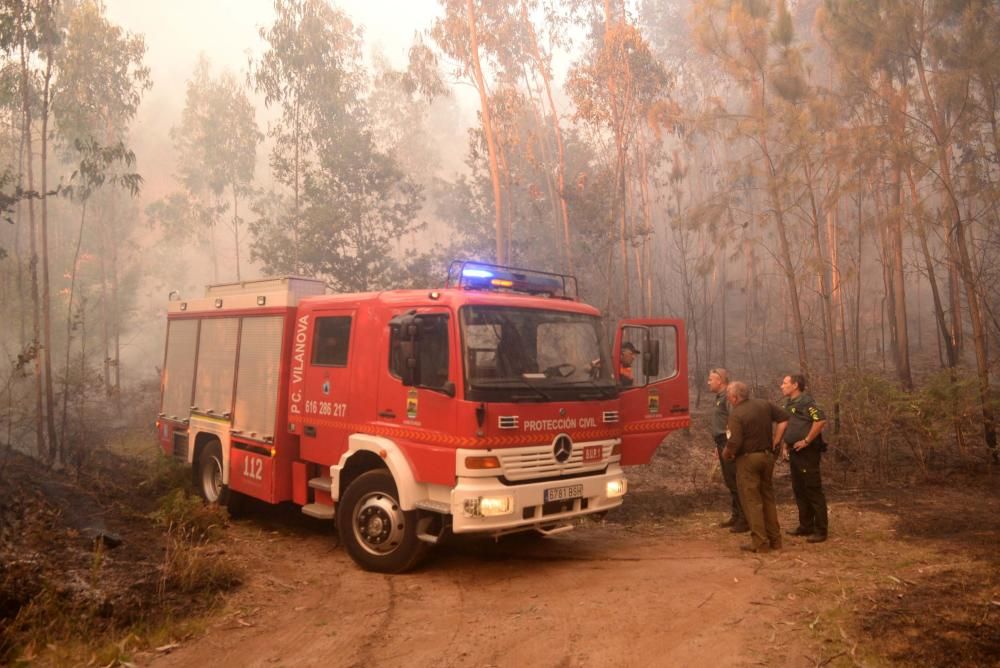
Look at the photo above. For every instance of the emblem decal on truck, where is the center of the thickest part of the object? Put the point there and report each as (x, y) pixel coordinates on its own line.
(563, 448)
(411, 404)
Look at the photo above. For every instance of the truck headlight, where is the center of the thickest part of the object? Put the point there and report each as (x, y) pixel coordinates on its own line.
(488, 506)
(617, 488)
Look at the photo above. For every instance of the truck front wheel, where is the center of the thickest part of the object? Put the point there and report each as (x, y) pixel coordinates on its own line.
(376, 532)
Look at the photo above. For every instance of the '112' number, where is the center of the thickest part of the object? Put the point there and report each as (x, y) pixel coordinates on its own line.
(253, 468)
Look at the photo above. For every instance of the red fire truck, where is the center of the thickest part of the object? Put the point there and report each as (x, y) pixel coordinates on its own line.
(492, 405)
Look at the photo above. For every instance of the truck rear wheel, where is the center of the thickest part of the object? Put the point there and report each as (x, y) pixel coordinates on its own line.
(376, 532)
(208, 477)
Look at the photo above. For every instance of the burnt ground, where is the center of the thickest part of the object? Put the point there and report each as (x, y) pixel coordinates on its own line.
(85, 566)
(909, 577)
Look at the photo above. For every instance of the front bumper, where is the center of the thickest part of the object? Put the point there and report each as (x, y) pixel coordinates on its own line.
(529, 508)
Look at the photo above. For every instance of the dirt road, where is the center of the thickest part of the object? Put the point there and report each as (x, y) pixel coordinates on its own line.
(600, 595)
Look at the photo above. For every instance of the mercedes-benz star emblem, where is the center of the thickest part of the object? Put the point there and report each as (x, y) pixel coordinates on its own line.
(562, 448)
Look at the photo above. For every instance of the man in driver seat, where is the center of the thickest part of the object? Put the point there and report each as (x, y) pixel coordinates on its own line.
(626, 376)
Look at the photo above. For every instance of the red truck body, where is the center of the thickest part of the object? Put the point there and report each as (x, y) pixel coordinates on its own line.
(408, 414)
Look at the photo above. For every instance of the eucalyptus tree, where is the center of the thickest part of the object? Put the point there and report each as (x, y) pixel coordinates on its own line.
(350, 201)
(614, 86)
(216, 143)
(100, 78)
(754, 44)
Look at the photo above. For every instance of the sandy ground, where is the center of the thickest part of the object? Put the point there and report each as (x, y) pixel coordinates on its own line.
(601, 595)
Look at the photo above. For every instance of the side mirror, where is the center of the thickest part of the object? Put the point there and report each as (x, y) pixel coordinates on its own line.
(448, 388)
(651, 358)
(409, 370)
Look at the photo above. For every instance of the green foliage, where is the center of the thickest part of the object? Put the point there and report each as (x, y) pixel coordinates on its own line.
(100, 78)
(882, 422)
(217, 138)
(346, 201)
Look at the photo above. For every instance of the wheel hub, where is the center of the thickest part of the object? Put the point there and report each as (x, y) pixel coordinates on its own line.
(378, 523)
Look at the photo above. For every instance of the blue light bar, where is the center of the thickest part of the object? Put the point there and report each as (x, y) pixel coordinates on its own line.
(494, 277)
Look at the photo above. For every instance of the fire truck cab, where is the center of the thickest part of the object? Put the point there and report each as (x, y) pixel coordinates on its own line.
(493, 405)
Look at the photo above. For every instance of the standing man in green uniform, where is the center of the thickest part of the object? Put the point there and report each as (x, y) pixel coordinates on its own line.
(752, 441)
(718, 382)
(803, 446)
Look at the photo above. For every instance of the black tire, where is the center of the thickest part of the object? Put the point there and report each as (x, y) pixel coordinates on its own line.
(208, 473)
(377, 534)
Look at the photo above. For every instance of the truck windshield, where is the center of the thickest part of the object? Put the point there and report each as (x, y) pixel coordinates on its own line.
(519, 354)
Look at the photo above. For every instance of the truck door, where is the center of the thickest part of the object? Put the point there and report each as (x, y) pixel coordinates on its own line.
(422, 414)
(327, 388)
(652, 376)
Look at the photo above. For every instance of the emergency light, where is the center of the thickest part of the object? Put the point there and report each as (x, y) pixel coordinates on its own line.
(481, 276)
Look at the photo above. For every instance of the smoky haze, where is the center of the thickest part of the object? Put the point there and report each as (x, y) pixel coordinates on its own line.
(809, 187)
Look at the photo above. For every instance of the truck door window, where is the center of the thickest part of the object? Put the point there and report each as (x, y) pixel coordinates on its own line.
(630, 368)
(432, 349)
(667, 336)
(330, 341)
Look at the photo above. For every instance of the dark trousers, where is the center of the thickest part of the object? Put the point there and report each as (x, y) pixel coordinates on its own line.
(807, 483)
(755, 477)
(729, 477)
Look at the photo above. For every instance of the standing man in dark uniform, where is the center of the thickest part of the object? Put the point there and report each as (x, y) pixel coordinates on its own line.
(718, 382)
(752, 441)
(802, 444)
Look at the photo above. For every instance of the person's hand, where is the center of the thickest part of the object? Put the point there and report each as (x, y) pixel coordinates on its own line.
(801, 443)
(784, 452)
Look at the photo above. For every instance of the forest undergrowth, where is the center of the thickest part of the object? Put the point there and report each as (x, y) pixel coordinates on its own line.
(100, 564)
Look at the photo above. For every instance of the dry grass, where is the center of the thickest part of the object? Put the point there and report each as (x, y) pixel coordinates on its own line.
(66, 599)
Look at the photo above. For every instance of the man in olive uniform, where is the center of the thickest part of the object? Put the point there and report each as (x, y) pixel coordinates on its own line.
(718, 381)
(752, 441)
(802, 444)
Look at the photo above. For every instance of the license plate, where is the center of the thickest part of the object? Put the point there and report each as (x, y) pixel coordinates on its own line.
(592, 453)
(562, 493)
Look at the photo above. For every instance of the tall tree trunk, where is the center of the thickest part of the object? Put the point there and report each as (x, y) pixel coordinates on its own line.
(823, 276)
(543, 70)
(236, 231)
(962, 261)
(50, 408)
(22, 318)
(106, 233)
(857, 283)
(295, 190)
(69, 329)
(36, 318)
(902, 340)
(116, 317)
(919, 225)
(491, 149)
(788, 269)
(836, 285)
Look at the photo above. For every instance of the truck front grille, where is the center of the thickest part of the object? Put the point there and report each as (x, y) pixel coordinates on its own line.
(523, 464)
